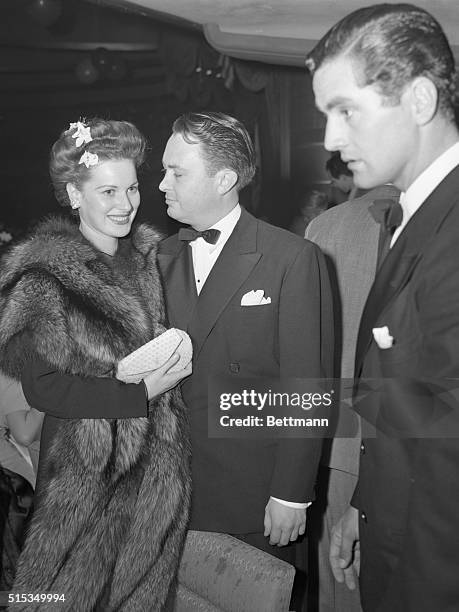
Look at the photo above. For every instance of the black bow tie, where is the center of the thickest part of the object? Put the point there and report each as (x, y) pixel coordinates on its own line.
(189, 234)
(388, 213)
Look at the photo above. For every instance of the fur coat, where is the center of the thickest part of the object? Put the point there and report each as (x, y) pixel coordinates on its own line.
(115, 495)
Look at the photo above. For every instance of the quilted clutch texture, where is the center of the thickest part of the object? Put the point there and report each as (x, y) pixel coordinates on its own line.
(154, 354)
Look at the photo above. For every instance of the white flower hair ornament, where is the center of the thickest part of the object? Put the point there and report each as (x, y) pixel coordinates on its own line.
(89, 159)
(82, 133)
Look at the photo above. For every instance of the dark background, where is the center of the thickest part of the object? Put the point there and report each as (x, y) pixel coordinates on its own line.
(61, 60)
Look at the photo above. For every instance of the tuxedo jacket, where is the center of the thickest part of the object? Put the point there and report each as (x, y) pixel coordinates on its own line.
(289, 337)
(408, 492)
(349, 236)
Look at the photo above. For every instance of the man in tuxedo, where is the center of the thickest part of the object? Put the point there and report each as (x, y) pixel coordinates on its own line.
(348, 235)
(384, 77)
(256, 489)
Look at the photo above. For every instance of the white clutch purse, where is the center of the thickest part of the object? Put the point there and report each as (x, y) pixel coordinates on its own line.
(154, 354)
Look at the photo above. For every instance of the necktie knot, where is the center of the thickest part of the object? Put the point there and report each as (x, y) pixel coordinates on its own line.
(388, 213)
(189, 234)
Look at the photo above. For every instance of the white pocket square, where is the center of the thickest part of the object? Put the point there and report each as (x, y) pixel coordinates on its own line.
(382, 337)
(255, 298)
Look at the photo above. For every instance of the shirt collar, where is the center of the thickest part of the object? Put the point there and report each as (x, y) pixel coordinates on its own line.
(225, 226)
(228, 223)
(427, 181)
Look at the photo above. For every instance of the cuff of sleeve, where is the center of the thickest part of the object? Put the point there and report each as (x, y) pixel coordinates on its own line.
(142, 382)
(299, 506)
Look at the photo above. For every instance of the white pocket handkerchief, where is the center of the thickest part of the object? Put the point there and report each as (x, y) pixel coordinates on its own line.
(255, 298)
(382, 337)
(154, 354)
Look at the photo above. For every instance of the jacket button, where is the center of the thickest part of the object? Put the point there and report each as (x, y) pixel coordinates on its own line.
(363, 516)
(234, 367)
(362, 448)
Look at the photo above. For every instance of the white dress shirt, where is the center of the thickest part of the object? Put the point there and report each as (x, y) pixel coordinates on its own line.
(418, 192)
(205, 254)
(204, 257)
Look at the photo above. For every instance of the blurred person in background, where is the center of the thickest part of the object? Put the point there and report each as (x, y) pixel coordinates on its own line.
(341, 180)
(312, 204)
(20, 428)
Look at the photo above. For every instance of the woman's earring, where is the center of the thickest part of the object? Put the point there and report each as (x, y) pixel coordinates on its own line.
(74, 204)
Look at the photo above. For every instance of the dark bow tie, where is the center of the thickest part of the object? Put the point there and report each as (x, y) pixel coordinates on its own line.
(388, 213)
(189, 234)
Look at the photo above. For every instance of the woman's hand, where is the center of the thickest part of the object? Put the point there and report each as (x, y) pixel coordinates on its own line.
(161, 380)
(25, 425)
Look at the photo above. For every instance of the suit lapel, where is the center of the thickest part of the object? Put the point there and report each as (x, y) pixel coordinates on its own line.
(390, 280)
(403, 258)
(234, 264)
(176, 267)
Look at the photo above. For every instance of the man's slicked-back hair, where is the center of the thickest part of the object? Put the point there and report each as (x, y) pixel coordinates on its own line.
(225, 143)
(390, 45)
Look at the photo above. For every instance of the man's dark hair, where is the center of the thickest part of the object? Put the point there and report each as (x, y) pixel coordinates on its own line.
(336, 167)
(391, 45)
(225, 143)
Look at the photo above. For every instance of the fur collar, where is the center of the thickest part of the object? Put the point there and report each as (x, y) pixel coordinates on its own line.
(58, 238)
(75, 301)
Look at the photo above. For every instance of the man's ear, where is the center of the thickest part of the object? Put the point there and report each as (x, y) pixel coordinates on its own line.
(424, 99)
(226, 180)
(74, 195)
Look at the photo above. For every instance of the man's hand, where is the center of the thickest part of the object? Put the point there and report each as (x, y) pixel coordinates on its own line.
(283, 524)
(345, 548)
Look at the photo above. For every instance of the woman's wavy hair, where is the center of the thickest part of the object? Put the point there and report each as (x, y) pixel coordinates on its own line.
(110, 140)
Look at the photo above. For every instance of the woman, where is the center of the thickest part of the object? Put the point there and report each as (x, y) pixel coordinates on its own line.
(113, 492)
